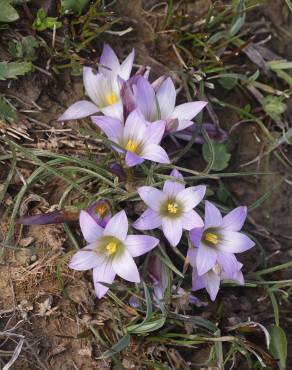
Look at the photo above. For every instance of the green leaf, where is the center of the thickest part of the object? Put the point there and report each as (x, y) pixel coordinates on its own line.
(278, 346)
(73, 6)
(118, 347)
(289, 4)
(274, 106)
(42, 22)
(14, 69)
(238, 21)
(280, 64)
(228, 83)
(8, 13)
(221, 156)
(6, 112)
(24, 49)
(147, 327)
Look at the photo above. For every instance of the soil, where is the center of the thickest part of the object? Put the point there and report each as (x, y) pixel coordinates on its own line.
(53, 307)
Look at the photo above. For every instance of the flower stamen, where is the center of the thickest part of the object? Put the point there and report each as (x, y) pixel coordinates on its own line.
(131, 146)
(111, 98)
(101, 209)
(172, 208)
(211, 238)
(111, 248)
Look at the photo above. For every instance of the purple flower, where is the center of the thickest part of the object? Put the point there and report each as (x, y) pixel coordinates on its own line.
(158, 275)
(103, 88)
(211, 279)
(136, 139)
(160, 105)
(214, 132)
(100, 211)
(110, 251)
(219, 239)
(171, 208)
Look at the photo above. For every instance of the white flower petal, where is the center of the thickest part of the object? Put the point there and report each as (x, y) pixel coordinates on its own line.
(80, 109)
(90, 229)
(125, 267)
(117, 226)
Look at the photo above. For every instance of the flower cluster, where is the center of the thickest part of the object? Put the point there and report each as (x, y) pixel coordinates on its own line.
(136, 116)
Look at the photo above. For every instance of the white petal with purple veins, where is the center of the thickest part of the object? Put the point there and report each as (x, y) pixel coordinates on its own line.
(85, 259)
(145, 99)
(188, 110)
(127, 65)
(154, 133)
(117, 226)
(197, 281)
(109, 59)
(212, 284)
(112, 127)
(213, 216)
(196, 236)
(152, 197)
(148, 220)
(172, 230)
(135, 127)
(173, 187)
(206, 258)
(80, 109)
(125, 267)
(155, 153)
(191, 197)
(90, 229)
(92, 84)
(103, 274)
(235, 219)
(191, 220)
(234, 242)
(114, 110)
(183, 123)
(133, 159)
(228, 263)
(166, 96)
(140, 244)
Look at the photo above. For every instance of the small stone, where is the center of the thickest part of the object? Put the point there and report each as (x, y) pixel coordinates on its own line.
(25, 242)
(33, 258)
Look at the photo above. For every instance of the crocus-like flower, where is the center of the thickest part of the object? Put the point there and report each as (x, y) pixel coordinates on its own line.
(214, 132)
(110, 251)
(171, 208)
(137, 139)
(99, 210)
(158, 275)
(103, 88)
(160, 105)
(211, 279)
(219, 239)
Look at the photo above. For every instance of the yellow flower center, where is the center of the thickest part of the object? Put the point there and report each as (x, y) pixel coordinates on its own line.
(211, 238)
(111, 98)
(172, 208)
(131, 146)
(101, 209)
(111, 248)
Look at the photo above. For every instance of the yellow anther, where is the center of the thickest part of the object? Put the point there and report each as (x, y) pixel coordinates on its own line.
(101, 209)
(131, 146)
(211, 238)
(111, 248)
(172, 208)
(111, 98)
